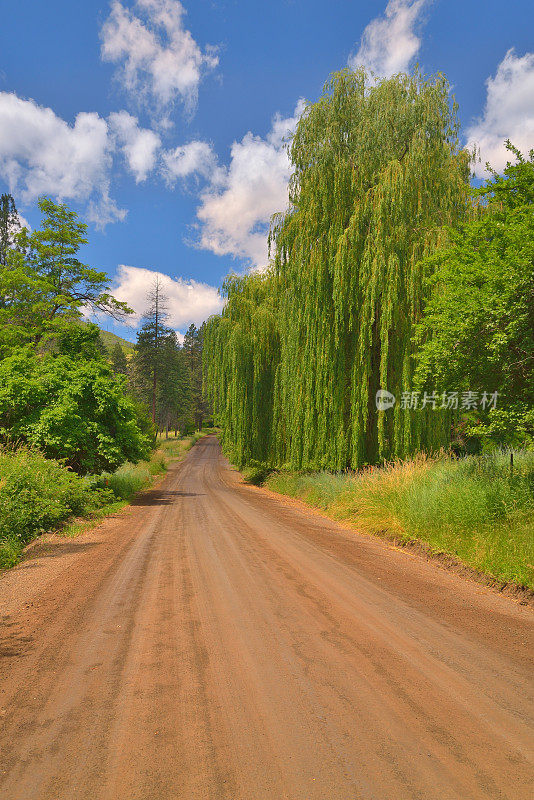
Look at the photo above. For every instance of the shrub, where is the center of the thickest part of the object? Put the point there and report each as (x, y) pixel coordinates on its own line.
(37, 495)
(71, 410)
(256, 473)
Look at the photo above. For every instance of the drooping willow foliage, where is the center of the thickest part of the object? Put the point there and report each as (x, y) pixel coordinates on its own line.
(293, 363)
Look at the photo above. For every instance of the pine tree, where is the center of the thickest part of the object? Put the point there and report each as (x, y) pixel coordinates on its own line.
(159, 374)
(193, 344)
(119, 362)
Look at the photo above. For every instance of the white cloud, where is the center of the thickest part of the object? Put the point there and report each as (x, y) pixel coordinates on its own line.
(104, 211)
(23, 223)
(194, 158)
(187, 300)
(159, 58)
(509, 113)
(237, 205)
(390, 43)
(40, 154)
(140, 145)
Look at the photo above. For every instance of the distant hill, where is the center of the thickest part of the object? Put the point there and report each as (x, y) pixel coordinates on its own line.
(111, 339)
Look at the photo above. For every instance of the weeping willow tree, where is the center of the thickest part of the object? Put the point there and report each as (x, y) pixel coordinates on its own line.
(241, 356)
(377, 174)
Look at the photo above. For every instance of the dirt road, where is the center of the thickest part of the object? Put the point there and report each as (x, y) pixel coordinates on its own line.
(215, 642)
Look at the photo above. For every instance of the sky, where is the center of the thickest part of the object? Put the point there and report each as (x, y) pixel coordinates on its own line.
(164, 124)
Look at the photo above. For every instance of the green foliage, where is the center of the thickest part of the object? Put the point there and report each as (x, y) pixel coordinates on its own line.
(293, 364)
(119, 361)
(77, 341)
(477, 509)
(256, 473)
(43, 281)
(71, 409)
(37, 495)
(192, 348)
(158, 372)
(125, 481)
(477, 333)
(242, 352)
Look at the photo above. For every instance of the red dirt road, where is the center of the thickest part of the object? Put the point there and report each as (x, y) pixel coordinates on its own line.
(215, 642)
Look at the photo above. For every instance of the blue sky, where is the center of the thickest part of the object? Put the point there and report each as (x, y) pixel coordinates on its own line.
(163, 122)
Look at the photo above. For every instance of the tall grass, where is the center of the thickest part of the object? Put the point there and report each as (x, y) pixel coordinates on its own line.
(36, 495)
(477, 509)
(129, 478)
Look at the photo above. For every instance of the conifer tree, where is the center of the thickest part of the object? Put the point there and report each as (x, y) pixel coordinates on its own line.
(119, 361)
(192, 346)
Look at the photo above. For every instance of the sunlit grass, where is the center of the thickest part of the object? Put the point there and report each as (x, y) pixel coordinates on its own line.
(476, 509)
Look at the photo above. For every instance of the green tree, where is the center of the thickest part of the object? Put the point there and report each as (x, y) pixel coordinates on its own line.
(119, 362)
(77, 341)
(150, 338)
(71, 409)
(477, 333)
(242, 367)
(302, 350)
(44, 282)
(158, 370)
(193, 345)
(174, 388)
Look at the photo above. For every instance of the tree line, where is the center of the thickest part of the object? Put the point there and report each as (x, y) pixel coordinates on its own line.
(163, 374)
(388, 273)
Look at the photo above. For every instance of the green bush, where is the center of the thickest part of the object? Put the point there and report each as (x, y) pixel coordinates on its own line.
(37, 495)
(256, 473)
(71, 410)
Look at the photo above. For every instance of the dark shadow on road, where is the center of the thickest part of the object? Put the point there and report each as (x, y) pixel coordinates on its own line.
(12, 644)
(160, 497)
(53, 550)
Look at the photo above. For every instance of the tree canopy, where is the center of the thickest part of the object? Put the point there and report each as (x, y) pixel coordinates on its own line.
(294, 362)
(69, 408)
(477, 333)
(43, 282)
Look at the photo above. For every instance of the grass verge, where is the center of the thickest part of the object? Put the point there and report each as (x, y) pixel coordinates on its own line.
(477, 509)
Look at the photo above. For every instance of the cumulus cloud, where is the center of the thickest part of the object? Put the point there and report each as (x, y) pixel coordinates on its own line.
(40, 154)
(195, 158)
(187, 300)
(508, 114)
(159, 61)
(239, 201)
(390, 43)
(139, 145)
